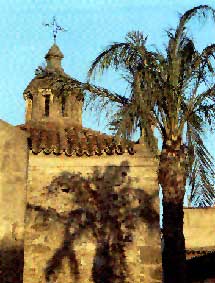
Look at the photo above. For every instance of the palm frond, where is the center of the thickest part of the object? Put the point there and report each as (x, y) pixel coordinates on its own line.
(136, 38)
(125, 121)
(173, 47)
(201, 97)
(201, 169)
(107, 57)
(208, 52)
(200, 10)
(128, 55)
(103, 93)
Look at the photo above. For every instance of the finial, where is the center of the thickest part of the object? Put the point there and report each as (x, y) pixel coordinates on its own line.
(55, 27)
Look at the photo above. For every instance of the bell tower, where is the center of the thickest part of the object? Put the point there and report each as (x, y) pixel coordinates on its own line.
(53, 96)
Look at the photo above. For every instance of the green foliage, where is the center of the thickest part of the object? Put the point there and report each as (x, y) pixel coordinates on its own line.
(166, 94)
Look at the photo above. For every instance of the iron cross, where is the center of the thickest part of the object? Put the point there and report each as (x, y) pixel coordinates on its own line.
(55, 27)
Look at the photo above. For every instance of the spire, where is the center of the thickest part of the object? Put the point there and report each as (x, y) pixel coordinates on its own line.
(53, 58)
(54, 55)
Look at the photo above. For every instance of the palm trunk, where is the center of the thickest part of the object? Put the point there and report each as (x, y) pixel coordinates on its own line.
(172, 177)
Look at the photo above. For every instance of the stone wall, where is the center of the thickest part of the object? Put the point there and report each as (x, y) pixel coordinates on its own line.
(13, 176)
(199, 227)
(92, 218)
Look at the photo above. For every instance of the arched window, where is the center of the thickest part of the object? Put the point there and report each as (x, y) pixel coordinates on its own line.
(29, 102)
(47, 105)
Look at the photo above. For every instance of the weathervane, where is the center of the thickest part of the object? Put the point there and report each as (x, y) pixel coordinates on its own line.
(56, 28)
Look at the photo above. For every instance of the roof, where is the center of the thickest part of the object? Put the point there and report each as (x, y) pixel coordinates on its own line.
(197, 252)
(51, 76)
(49, 138)
(54, 51)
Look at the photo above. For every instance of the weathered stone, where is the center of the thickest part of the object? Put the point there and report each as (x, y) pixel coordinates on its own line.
(152, 234)
(199, 228)
(150, 254)
(156, 273)
(39, 227)
(50, 167)
(40, 248)
(30, 236)
(13, 176)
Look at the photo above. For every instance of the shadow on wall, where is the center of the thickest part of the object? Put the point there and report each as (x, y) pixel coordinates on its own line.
(106, 204)
(11, 265)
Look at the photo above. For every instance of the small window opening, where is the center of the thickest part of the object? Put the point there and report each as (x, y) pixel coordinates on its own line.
(47, 104)
(124, 174)
(65, 189)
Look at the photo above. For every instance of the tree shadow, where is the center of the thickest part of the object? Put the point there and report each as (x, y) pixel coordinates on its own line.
(107, 204)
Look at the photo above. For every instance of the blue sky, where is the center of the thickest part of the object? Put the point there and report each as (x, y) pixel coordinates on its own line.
(91, 25)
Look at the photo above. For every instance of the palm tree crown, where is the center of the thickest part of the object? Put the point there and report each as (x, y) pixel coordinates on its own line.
(172, 92)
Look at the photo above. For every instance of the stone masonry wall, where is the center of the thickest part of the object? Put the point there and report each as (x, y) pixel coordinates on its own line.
(199, 227)
(13, 177)
(92, 219)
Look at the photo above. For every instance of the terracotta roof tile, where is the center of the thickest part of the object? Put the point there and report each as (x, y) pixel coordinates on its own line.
(192, 253)
(48, 138)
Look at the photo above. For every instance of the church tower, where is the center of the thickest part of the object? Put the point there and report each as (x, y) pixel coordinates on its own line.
(92, 200)
(52, 96)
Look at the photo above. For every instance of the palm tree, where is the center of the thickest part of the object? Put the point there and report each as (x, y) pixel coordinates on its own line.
(174, 93)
